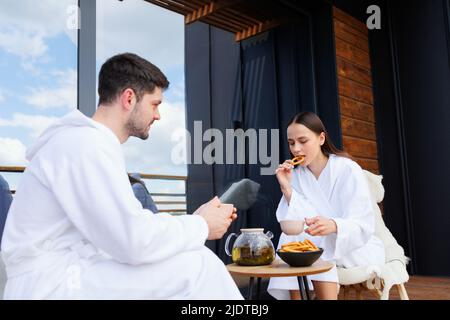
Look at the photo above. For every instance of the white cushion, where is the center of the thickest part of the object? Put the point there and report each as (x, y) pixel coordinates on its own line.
(394, 271)
(393, 250)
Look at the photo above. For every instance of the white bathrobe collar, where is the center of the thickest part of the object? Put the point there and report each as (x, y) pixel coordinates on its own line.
(73, 119)
(316, 190)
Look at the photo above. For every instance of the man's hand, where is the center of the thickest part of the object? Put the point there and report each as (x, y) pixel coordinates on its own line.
(218, 216)
(320, 226)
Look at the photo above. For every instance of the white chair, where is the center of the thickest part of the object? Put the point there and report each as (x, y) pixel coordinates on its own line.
(378, 279)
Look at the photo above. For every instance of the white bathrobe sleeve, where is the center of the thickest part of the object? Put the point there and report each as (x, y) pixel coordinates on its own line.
(357, 223)
(298, 208)
(97, 197)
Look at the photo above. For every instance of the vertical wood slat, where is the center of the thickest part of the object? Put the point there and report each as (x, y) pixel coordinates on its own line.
(360, 148)
(351, 22)
(348, 34)
(353, 72)
(352, 53)
(355, 90)
(357, 128)
(356, 109)
(368, 164)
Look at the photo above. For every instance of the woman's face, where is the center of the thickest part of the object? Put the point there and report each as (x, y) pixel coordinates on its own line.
(304, 142)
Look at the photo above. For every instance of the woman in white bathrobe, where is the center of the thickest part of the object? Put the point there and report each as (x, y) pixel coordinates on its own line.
(329, 194)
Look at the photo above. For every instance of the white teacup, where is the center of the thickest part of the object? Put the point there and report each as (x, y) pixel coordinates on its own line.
(292, 227)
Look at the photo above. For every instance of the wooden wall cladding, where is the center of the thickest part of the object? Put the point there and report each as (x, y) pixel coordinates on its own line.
(355, 90)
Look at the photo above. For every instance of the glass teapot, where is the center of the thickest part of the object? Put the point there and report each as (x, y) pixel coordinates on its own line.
(252, 247)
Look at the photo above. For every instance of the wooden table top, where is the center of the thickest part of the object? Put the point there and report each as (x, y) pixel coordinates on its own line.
(278, 268)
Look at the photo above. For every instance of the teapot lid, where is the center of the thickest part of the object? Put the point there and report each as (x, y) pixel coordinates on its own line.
(252, 230)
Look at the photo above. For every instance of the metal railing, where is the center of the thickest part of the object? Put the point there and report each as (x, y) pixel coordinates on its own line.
(167, 194)
(164, 195)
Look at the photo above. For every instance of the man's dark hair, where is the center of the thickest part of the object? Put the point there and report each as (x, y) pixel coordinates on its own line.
(128, 70)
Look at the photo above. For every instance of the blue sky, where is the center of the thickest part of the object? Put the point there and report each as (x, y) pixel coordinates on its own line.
(38, 79)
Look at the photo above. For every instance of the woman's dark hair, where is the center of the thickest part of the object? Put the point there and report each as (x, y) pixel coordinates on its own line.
(128, 70)
(313, 123)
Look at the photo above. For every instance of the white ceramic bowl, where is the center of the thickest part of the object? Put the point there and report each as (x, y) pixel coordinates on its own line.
(292, 227)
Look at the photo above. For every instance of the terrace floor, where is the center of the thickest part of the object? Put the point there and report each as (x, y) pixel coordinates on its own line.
(418, 288)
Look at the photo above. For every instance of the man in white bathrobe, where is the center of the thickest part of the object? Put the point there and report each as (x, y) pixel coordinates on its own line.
(75, 229)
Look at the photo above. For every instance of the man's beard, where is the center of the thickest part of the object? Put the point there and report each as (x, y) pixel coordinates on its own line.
(134, 129)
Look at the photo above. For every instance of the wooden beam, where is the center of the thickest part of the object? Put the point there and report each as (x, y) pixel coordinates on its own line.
(228, 13)
(11, 169)
(171, 5)
(256, 29)
(201, 12)
(209, 9)
(240, 15)
(188, 4)
(220, 13)
(221, 23)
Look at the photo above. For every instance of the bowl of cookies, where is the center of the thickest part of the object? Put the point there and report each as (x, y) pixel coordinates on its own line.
(299, 253)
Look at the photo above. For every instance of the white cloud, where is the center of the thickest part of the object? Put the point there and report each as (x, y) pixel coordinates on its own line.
(36, 123)
(154, 154)
(63, 96)
(12, 152)
(145, 29)
(25, 25)
(177, 90)
(155, 33)
(46, 17)
(22, 44)
(132, 25)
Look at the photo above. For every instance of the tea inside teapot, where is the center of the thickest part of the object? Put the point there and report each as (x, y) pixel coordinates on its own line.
(252, 247)
(246, 257)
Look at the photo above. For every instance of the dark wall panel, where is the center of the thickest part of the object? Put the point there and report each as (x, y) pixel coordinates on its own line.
(421, 32)
(198, 100)
(411, 80)
(260, 101)
(227, 113)
(389, 141)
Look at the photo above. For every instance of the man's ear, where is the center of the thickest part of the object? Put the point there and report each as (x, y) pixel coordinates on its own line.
(128, 99)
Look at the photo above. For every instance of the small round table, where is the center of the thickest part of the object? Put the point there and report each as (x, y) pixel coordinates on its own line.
(278, 268)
